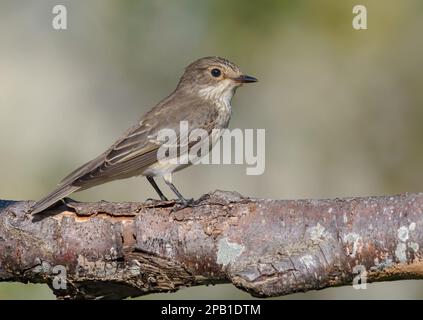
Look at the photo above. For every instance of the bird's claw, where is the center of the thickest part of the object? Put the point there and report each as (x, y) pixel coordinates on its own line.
(183, 203)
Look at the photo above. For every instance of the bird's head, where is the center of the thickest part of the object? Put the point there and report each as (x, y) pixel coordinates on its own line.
(213, 78)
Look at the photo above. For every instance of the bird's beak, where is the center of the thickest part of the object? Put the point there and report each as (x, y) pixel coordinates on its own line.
(244, 79)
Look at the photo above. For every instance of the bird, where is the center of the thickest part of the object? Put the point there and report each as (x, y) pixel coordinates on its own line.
(202, 98)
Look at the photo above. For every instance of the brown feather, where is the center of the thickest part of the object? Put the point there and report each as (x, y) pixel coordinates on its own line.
(137, 149)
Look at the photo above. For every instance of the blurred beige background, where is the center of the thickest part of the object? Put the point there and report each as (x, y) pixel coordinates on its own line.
(342, 108)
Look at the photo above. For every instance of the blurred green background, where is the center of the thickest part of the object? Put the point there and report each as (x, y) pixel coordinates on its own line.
(342, 108)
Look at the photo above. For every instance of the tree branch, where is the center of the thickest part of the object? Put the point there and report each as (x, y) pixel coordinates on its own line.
(266, 247)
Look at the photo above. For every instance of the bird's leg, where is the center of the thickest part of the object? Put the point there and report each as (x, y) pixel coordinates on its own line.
(156, 187)
(183, 202)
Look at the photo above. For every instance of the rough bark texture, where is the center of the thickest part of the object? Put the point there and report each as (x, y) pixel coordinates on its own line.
(266, 247)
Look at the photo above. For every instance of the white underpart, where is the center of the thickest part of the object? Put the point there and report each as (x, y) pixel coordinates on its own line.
(220, 94)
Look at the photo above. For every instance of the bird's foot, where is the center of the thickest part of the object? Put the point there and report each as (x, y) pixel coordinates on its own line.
(183, 203)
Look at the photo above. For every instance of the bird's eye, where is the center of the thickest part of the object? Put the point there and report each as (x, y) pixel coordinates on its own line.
(216, 73)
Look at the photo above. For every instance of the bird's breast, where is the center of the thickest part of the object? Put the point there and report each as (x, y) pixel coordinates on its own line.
(224, 111)
(220, 121)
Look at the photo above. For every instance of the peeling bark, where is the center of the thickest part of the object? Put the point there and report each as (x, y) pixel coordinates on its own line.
(266, 247)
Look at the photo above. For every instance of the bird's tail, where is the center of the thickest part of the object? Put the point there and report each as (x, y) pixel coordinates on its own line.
(61, 192)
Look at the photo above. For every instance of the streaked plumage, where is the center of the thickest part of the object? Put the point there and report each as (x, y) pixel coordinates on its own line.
(200, 98)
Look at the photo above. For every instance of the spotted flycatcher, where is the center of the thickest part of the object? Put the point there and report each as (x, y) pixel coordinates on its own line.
(202, 99)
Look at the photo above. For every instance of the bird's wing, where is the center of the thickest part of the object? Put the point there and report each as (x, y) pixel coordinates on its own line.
(137, 149)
